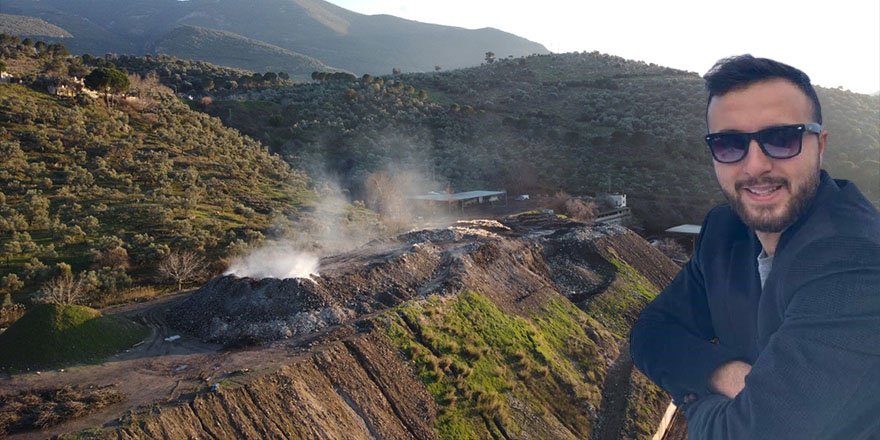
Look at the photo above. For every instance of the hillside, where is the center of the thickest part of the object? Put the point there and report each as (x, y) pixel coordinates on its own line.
(114, 186)
(484, 329)
(29, 26)
(333, 35)
(228, 49)
(580, 122)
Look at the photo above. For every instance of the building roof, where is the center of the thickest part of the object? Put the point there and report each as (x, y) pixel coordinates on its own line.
(467, 195)
(685, 229)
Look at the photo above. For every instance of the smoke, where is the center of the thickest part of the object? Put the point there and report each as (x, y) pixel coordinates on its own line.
(367, 203)
(275, 262)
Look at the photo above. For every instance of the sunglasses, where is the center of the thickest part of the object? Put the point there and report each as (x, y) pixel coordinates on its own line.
(781, 142)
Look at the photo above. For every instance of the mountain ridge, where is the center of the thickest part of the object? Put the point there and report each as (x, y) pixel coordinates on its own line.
(334, 35)
(30, 26)
(233, 50)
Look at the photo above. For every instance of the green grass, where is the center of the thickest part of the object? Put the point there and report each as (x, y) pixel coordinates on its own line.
(53, 335)
(475, 360)
(618, 306)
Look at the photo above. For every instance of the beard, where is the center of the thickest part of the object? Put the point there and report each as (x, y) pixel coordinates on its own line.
(763, 219)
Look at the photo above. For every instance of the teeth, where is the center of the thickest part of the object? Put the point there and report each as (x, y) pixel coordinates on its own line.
(763, 191)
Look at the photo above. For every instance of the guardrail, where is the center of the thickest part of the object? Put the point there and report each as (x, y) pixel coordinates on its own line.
(615, 216)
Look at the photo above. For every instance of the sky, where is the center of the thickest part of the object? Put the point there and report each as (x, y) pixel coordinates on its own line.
(837, 43)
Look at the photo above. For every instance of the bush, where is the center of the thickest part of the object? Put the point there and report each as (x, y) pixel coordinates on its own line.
(574, 207)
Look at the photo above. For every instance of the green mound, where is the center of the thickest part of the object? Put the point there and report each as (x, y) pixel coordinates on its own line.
(50, 335)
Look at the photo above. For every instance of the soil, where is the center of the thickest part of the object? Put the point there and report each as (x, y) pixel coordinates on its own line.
(302, 358)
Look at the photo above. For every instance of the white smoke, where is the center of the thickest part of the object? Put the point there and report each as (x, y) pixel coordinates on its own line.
(275, 262)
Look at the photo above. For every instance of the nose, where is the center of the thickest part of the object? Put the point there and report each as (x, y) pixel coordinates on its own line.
(756, 163)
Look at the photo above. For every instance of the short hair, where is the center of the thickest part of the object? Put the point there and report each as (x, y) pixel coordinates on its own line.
(738, 72)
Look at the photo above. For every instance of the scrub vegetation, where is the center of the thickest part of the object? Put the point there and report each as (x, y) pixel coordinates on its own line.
(108, 187)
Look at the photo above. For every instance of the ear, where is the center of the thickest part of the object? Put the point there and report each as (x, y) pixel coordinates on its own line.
(823, 139)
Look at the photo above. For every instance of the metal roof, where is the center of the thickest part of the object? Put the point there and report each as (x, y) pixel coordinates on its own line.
(686, 229)
(467, 195)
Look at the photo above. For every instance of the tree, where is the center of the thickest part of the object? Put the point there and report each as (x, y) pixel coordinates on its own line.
(64, 289)
(490, 57)
(284, 76)
(182, 267)
(114, 257)
(9, 285)
(395, 71)
(107, 80)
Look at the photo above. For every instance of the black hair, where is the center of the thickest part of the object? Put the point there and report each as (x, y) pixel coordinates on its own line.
(737, 72)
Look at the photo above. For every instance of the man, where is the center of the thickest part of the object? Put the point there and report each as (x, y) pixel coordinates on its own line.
(772, 329)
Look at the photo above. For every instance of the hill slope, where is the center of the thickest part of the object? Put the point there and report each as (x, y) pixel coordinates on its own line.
(112, 186)
(228, 49)
(336, 36)
(29, 26)
(581, 122)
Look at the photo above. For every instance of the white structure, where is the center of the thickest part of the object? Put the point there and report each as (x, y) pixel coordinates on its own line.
(615, 200)
(463, 199)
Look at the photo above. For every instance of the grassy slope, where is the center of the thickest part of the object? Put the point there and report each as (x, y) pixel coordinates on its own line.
(53, 335)
(492, 372)
(163, 170)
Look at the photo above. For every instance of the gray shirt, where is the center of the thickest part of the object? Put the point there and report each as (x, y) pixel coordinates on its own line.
(765, 263)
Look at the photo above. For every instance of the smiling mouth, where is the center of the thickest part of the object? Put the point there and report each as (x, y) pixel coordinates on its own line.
(762, 190)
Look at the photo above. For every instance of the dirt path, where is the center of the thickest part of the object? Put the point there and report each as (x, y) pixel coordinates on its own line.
(615, 393)
(155, 370)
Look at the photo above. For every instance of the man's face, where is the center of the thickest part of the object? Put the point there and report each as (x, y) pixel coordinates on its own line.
(768, 194)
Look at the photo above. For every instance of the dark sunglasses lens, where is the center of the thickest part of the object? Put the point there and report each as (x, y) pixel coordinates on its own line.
(781, 142)
(728, 147)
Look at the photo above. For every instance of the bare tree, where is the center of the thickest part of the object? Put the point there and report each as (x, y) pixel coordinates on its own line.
(574, 207)
(65, 289)
(385, 195)
(182, 267)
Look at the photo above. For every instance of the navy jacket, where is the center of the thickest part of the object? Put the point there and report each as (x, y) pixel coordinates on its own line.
(812, 334)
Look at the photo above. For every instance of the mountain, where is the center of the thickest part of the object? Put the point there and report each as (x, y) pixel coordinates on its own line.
(29, 26)
(333, 35)
(228, 49)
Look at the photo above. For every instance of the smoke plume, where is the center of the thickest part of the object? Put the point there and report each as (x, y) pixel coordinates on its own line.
(275, 262)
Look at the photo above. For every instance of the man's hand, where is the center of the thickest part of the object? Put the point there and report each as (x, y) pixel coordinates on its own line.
(730, 378)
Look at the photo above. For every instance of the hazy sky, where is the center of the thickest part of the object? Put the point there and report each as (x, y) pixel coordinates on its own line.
(836, 42)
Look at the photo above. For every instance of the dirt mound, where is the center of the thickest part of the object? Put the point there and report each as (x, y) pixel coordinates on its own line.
(505, 260)
(50, 335)
(504, 329)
